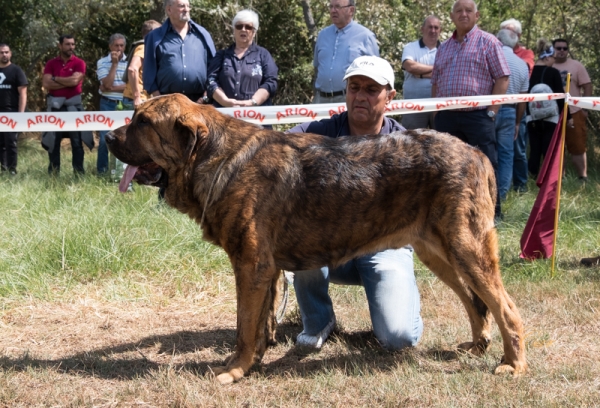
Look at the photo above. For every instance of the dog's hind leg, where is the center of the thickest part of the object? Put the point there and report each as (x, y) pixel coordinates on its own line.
(255, 278)
(275, 293)
(477, 310)
(476, 262)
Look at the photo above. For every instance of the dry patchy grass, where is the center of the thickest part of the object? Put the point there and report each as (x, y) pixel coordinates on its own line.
(158, 351)
(139, 319)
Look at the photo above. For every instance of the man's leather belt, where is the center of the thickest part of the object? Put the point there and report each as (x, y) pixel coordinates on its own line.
(108, 99)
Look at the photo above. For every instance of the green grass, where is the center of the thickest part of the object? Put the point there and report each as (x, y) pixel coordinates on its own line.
(57, 231)
(66, 230)
(113, 299)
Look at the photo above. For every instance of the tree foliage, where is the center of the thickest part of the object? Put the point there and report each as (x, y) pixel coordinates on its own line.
(288, 29)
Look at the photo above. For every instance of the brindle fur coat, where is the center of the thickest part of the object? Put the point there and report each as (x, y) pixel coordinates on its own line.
(278, 201)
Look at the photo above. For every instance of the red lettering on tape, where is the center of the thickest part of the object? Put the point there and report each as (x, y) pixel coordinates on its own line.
(52, 119)
(5, 120)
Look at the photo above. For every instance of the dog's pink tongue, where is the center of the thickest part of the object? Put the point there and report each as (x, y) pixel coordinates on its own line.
(127, 177)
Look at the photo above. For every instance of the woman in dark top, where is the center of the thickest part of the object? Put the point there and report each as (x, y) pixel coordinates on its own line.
(243, 74)
(541, 131)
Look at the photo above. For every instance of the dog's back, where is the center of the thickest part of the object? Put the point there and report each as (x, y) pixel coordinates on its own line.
(336, 197)
(295, 202)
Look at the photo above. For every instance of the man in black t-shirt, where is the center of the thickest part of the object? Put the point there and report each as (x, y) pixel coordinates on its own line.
(13, 98)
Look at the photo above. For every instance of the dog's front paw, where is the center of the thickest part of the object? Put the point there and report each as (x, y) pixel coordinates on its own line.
(515, 371)
(473, 348)
(227, 376)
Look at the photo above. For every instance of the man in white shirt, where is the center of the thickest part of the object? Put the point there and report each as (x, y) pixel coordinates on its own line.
(417, 62)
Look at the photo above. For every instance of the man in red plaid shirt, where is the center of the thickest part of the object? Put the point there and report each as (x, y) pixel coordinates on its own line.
(470, 63)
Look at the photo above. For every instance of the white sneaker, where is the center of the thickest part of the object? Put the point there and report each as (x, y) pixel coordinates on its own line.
(289, 277)
(316, 341)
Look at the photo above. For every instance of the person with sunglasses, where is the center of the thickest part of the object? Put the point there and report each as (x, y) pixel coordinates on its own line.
(581, 85)
(337, 46)
(244, 74)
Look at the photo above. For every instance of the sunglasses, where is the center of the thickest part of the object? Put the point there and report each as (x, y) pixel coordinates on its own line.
(338, 8)
(561, 48)
(244, 26)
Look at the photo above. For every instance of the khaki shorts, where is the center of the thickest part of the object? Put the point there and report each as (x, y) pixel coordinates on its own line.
(576, 137)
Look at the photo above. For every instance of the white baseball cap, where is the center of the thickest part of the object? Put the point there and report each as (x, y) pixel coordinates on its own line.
(378, 69)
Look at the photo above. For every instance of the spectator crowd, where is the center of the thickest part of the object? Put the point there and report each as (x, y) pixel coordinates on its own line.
(179, 56)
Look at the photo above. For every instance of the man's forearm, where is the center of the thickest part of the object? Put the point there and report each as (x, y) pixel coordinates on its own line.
(134, 80)
(117, 88)
(109, 79)
(520, 112)
(500, 87)
(50, 84)
(22, 98)
(133, 76)
(69, 82)
(416, 68)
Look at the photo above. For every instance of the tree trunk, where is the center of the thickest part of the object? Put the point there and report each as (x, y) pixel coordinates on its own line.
(309, 19)
(158, 11)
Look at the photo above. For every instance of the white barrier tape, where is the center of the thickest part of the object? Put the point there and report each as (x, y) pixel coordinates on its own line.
(589, 102)
(262, 115)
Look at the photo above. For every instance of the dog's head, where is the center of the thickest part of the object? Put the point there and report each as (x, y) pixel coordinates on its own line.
(162, 138)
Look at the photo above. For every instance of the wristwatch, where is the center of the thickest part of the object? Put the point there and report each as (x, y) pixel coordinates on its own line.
(205, 99)
(254, 103)
(491, 114)
(53, 79)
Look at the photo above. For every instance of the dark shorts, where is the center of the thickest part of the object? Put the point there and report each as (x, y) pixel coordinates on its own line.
(576, 137)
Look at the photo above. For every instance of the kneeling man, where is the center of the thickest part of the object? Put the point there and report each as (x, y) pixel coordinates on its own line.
(388, 276)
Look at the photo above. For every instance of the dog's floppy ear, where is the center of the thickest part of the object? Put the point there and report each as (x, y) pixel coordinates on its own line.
(192, 131)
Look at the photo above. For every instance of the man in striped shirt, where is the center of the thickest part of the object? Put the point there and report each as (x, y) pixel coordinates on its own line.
(470, 63)
(520, 172)
(509, 116)
(110, 71)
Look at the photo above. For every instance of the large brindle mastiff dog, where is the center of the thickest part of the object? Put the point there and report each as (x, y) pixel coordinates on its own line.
(278, 201)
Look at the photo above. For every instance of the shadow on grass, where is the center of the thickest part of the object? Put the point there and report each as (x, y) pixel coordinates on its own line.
(359, 353)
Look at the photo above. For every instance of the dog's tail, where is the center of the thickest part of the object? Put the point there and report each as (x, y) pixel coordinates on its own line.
(492, 186)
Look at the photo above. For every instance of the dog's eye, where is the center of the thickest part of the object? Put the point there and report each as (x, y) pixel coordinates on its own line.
(142, 120)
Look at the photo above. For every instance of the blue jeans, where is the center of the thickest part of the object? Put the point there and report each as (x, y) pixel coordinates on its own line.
(506, 121)
(520, 161)
(389, 281)
(127, 103)
(102, 162)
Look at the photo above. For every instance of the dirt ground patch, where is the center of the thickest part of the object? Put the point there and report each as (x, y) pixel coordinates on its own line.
(89, 352)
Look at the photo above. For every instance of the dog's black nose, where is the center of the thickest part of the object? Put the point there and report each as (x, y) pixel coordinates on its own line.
(109, 137)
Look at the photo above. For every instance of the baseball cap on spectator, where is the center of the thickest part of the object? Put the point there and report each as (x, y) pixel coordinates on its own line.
(378, 69)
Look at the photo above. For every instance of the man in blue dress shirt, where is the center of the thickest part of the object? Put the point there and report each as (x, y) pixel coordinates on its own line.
(337, 46)
(177, 54)
(176, 57)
